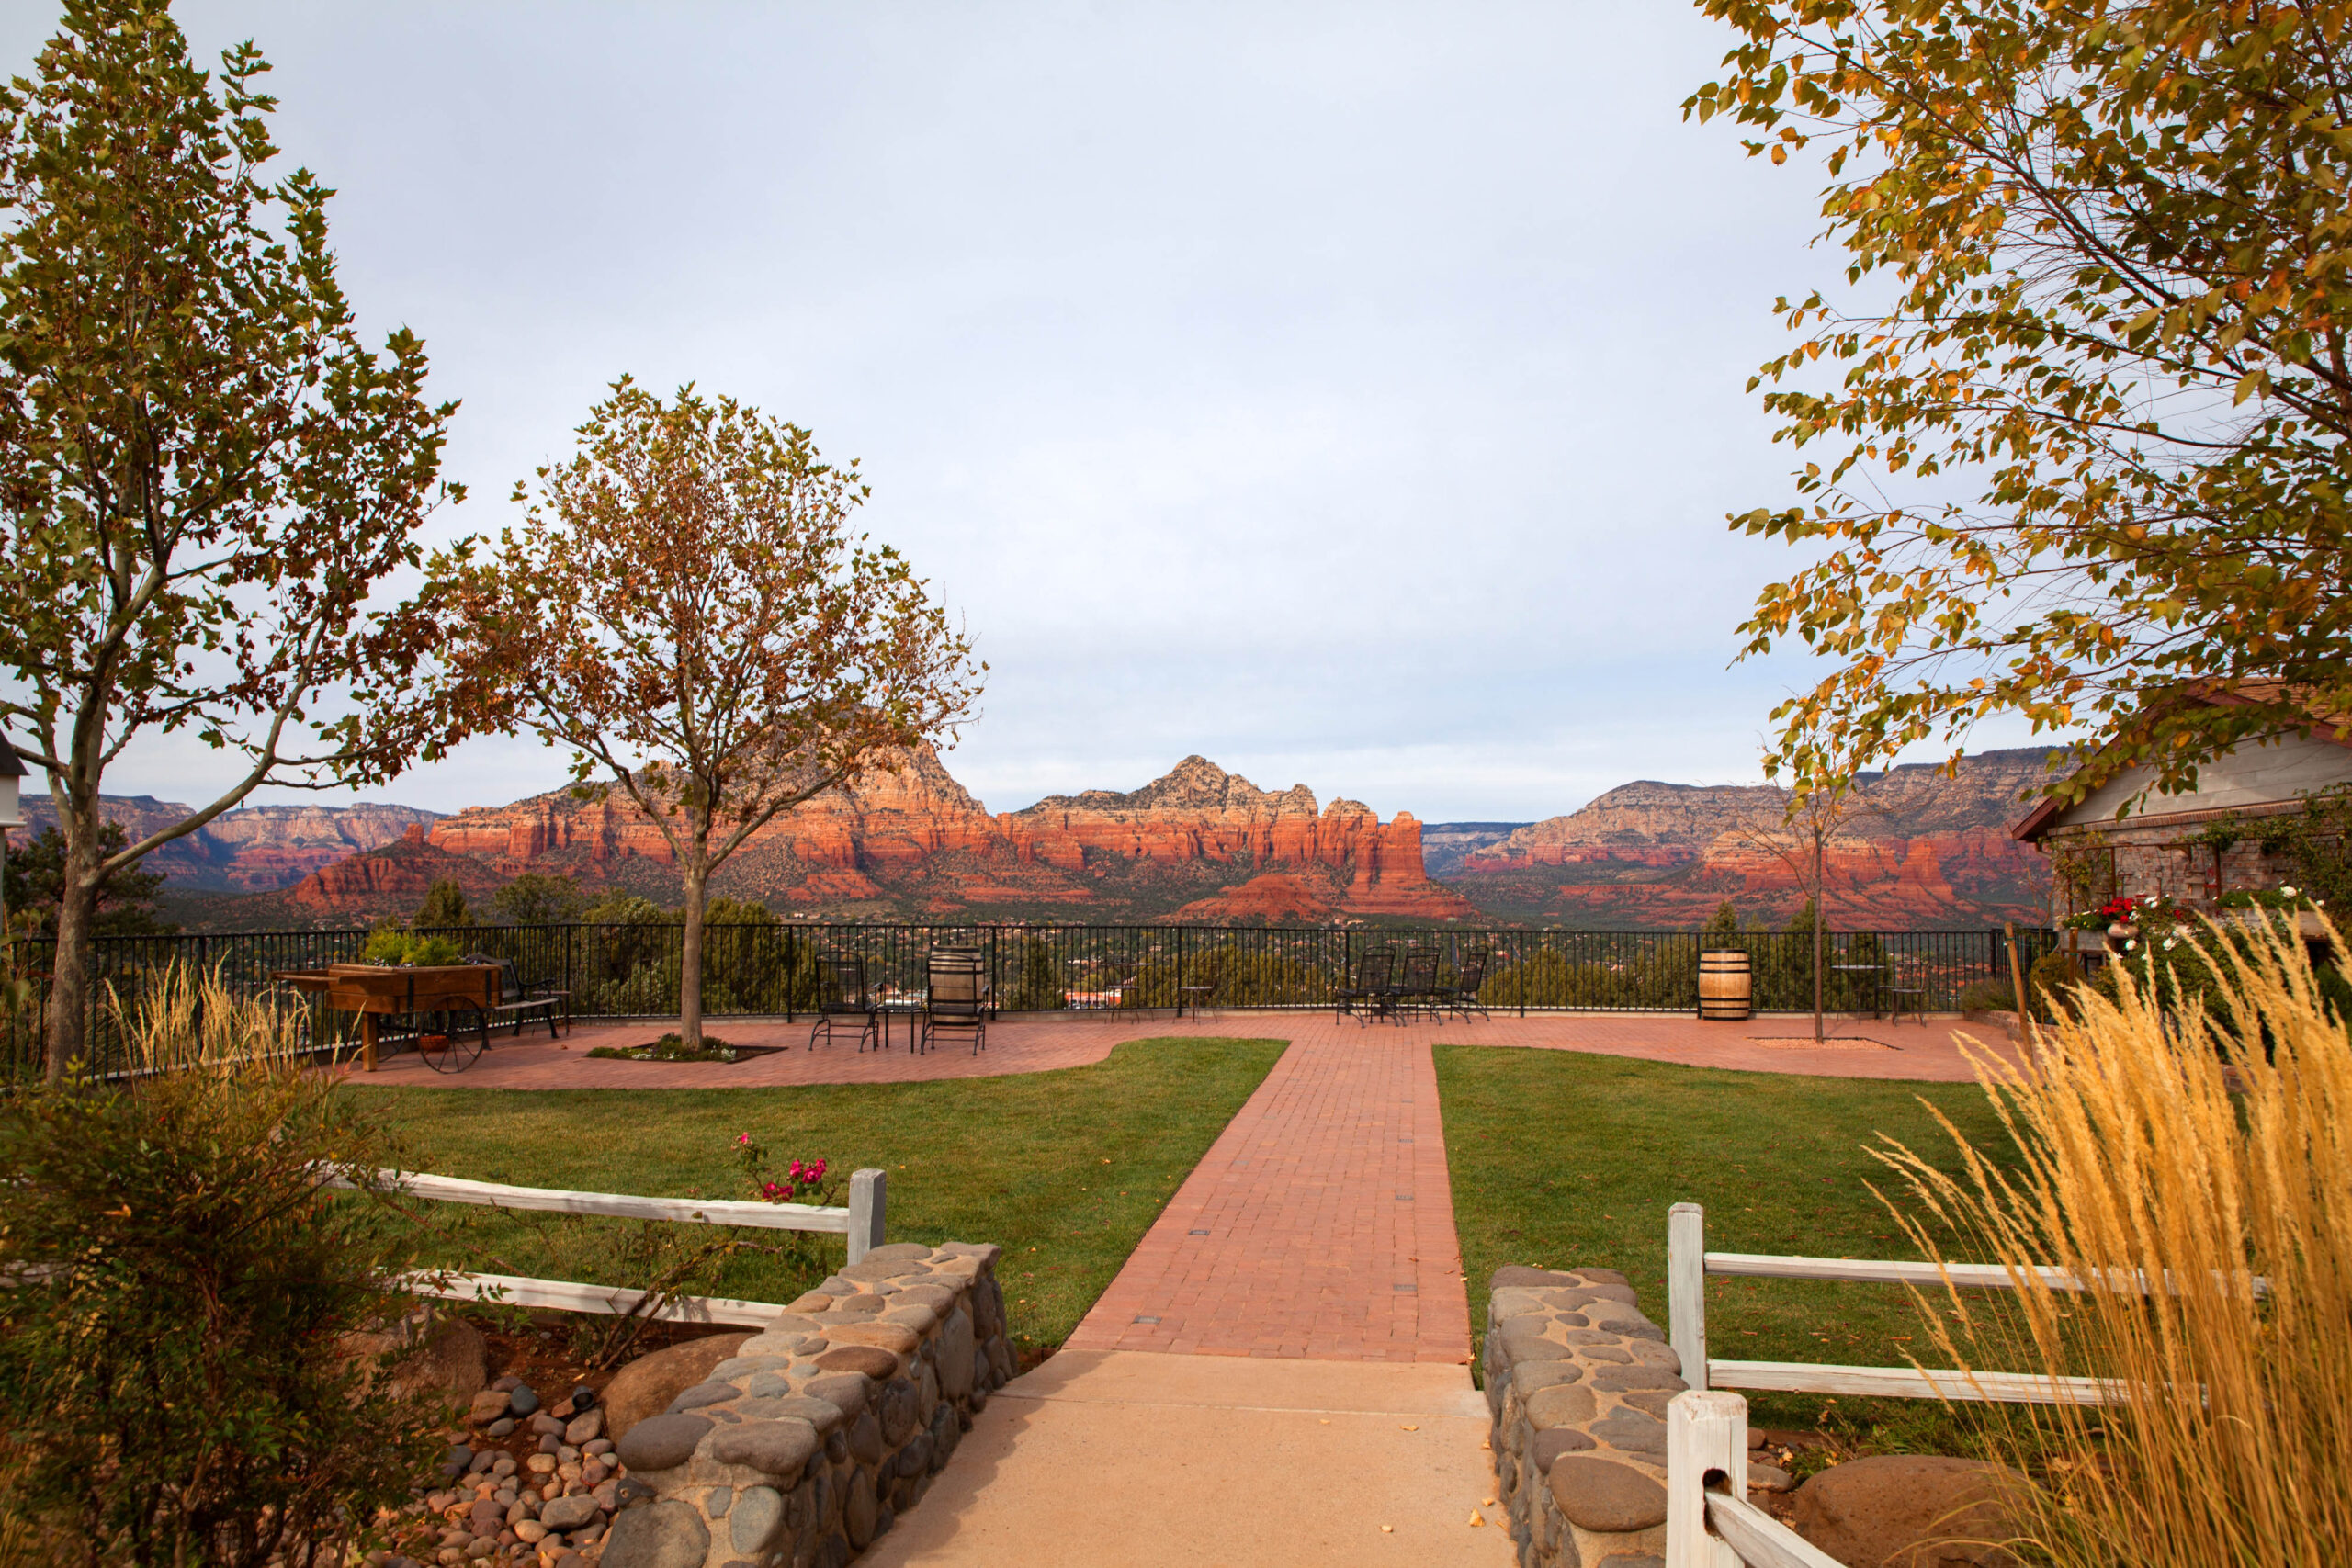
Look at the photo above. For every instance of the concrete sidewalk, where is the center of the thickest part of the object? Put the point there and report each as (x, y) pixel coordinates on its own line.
(1145, 1459)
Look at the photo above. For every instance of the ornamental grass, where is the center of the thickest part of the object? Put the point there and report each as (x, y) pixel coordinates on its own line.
(2193, 1170)
(183, 1378)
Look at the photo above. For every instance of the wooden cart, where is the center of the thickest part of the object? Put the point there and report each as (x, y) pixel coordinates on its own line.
(461, 995)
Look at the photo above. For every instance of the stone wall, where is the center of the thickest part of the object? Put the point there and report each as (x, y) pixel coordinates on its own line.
(824, 1426)
(1577, 1379)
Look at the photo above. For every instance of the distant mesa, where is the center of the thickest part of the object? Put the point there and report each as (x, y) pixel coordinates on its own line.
(1925, 851)
(254, 848)
(1198, 844)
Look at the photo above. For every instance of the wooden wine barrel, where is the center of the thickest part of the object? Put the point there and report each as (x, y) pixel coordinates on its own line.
(1725, 985)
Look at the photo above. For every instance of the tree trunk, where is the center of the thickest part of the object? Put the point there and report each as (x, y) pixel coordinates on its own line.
(689, 955)
(1820, 924)
(77, 914)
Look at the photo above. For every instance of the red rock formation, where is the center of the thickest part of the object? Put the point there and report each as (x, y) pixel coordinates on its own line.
(254, 848)
(1200, 813)
(891, 819)
(398, 876)
(1271, 899)
(1922, 850)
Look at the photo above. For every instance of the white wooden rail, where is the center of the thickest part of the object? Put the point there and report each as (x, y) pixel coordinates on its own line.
(1710, 1523)
(861, 1222)
(516, 1290)
(1688, 1264)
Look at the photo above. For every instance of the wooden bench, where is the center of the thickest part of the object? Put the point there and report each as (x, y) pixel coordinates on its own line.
(519, 1003)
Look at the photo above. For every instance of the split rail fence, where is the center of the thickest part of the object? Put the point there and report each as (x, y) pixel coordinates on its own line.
(861, 1222)
(774, 968)
(1688, 1263)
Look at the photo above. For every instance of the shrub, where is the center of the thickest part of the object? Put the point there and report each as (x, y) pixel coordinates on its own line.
(392, 945)
(2159, 1145)
(2053, 980)
(1988, 996)
(170, 1376)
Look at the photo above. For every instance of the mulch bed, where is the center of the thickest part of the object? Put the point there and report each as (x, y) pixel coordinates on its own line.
(742, 1053)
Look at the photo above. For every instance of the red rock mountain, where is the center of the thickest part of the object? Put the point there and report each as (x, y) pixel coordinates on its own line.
(1198, 844)
(396, 876)
(1201, 842)
(1921, 851)
(254, 848)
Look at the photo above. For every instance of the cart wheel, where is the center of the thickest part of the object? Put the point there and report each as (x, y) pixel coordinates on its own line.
(462, 1030)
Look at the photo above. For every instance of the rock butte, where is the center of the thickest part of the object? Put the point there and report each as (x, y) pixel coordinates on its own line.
(913, 839)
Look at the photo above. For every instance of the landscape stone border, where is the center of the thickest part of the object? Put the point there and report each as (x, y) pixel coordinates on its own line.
(1577, 1381)
(827, 1424)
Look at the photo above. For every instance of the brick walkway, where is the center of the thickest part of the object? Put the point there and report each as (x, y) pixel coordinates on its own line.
(1319, 1224)
(1907, 1050)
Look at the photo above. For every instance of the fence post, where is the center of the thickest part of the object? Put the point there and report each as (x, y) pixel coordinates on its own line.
(1686, 1289)
(1704, 1433)
(868, 1196)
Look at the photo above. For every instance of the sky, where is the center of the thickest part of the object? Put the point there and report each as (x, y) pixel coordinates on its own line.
(1352, 395)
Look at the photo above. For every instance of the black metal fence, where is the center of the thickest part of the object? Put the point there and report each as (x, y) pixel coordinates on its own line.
(632, 970)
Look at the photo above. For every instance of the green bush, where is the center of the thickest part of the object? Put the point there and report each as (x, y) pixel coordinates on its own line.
(2188, 972)
(172, 1378)
(1988, 996)
(393, 945)
(2054, 977)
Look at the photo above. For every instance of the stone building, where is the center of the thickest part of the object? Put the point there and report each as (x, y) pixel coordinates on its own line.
(2192, 847)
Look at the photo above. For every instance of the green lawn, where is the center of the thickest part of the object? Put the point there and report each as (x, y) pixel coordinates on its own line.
(1065, 1169)
(1561, 1159)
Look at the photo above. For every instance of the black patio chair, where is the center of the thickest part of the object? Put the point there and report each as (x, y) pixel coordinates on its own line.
(958, 1000)
(1462, 996)
(1416, 989)
(842, 995)
(1904, 989)
(1371, 988)
(520, 1001)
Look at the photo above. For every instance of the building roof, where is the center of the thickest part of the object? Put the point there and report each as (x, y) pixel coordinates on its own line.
(10, 767)
(2327, 724)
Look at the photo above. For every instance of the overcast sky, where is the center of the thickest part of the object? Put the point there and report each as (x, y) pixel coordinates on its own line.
(1351, 394)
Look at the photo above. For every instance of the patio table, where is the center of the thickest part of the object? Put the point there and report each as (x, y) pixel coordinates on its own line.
(909, 1007)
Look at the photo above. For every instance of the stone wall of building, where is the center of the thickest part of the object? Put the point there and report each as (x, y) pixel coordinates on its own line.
(826, 1426)
(2156, 857)
(1577, 1379)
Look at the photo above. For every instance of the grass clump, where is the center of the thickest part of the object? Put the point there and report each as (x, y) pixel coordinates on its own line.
(173, 1383)
(2169, 1149)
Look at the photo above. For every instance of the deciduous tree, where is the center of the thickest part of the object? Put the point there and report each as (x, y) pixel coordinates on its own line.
(205, 474)
(2088, 429)
(1798, 832)
(687, 611)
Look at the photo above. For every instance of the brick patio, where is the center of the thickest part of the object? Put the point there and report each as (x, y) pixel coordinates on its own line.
(1907, 1050)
